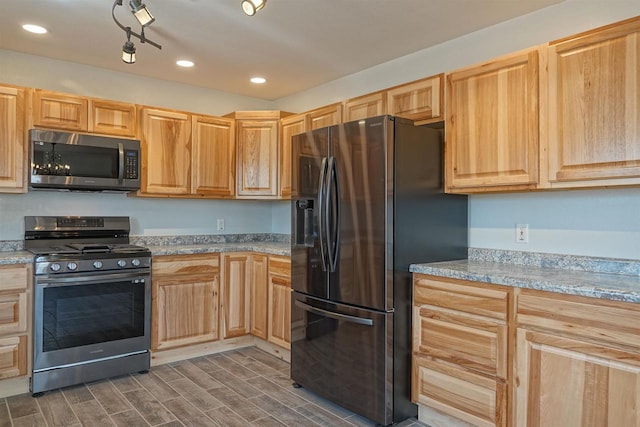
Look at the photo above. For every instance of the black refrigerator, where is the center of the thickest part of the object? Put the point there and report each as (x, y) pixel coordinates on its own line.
(367, 201)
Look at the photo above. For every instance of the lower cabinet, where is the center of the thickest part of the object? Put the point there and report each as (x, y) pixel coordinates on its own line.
(259, 294)
(185, 295)
(236, 288)
(15, 291)
(279, 304)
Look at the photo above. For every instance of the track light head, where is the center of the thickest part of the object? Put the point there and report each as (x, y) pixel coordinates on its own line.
(141, 12)
(129, 49)
(250, 7)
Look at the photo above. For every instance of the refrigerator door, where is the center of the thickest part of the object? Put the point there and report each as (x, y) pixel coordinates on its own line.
(309, 262)
(360, 200)
(345, 355)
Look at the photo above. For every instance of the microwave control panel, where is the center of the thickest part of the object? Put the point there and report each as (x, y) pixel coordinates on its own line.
(131, 164)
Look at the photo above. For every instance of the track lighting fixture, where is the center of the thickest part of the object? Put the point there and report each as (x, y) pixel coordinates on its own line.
(141, 12)
(143, 16)
(250, 7)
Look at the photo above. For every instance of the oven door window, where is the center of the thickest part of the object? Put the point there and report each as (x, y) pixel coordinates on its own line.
(80, 315)
(75, 160)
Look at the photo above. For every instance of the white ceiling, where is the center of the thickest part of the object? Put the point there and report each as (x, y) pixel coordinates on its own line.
(295, 44)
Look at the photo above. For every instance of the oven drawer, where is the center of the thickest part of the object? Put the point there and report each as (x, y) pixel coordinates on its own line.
(186, 264)
(14, 277)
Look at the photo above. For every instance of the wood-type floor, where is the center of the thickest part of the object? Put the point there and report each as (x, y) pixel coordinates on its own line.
(245, 387)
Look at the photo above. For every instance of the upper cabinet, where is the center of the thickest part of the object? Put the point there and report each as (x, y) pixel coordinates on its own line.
(77, 113)
(371, 105)
(213, 158)
(166, 158)
(289, 126)
(594, 108)
(325, 116)
(12, 139)
(492, 124)
(421, 100)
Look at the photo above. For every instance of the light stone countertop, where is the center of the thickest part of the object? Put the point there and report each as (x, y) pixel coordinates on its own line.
(269, 248)
(545, 276)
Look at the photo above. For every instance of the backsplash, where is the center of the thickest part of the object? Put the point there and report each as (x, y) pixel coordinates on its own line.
(560, 261)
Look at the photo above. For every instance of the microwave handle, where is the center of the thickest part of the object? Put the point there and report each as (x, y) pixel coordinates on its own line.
(120, 162)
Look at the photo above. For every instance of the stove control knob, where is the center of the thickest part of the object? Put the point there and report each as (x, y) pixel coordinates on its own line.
(122, 263)
(72, 266)
(135, 262)
(97, 264)
(55, 267)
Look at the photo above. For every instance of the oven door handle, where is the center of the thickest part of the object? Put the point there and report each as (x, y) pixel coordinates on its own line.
(57, 281)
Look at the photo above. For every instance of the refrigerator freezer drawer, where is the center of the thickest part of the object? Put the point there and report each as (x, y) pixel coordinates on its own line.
(344, 354)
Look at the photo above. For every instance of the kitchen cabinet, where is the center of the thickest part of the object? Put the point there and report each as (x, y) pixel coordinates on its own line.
(166, 152)
(13, 139)
(15, 320)
(578, 361)
(460, 363)
(594, 108)
(328, 115)
(421, 100)
(289, 126)
(257, 144)
(82, 114)
(213, 159)
(493, 124)
(185, 300)
(236, 290)
(259, 293)
(280, 301)
(370, 105)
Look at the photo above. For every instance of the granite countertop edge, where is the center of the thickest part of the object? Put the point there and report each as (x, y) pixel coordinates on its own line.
(618, 287)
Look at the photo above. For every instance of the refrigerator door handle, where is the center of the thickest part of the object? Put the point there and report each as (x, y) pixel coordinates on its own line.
(322, 213)
(333, 205)
(333, 315)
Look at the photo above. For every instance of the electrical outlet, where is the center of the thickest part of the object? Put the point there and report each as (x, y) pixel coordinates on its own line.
(522, 233)
(220, 224)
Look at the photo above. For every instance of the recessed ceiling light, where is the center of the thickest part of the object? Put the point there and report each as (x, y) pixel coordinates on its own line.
(258, 80)
(36, 29)
(185, 63)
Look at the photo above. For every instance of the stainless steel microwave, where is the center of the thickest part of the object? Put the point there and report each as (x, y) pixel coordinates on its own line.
(73, 161)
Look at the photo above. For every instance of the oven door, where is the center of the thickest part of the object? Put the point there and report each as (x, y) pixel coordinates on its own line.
(86, 318)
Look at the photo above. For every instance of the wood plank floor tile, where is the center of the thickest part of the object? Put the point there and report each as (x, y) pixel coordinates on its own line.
(109, 397)
(186, 413)
(91, 413)
(22, 405)
(77, 394)
(55, 409)
(322, 417)
(195, 394)
(166, 372)
(31, 420)
(5, 418)
(236, 384)
(268, 422)
(197, 375)
(279, 393)
(126, 383)
(236, 369)
(280, 412)
(158, 388)
(225, 417)
(207, 364)
(130, 418)
(149, 407)
(238, 403)
(264, 357)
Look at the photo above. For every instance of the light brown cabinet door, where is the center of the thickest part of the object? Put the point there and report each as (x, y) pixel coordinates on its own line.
(420, 100)
(259, 295)
(185, 310)
(571, 383)
(371, 105)
(13, 356)
(236, 309)
(492, 124)
(166, 152)
(12, 139)
(594, 108)
(59, 110)
(280, 301)
(112, 118)
(325, 116)
(213, 158)
(257, 164)
(290, 126)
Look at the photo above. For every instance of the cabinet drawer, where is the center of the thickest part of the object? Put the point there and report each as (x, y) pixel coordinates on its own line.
(470, 397)
(13, 356)
(280, 266)
(489, 300)
(612, 322)
(473, 342)
(186, 264)
(14, 277)
(13, 312)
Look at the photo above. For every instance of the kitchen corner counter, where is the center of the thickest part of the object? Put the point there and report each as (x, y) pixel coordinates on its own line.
(270, 248)
(15, 257)
(598, 278)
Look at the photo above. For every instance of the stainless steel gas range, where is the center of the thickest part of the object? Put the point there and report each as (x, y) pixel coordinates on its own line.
(92, 300)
